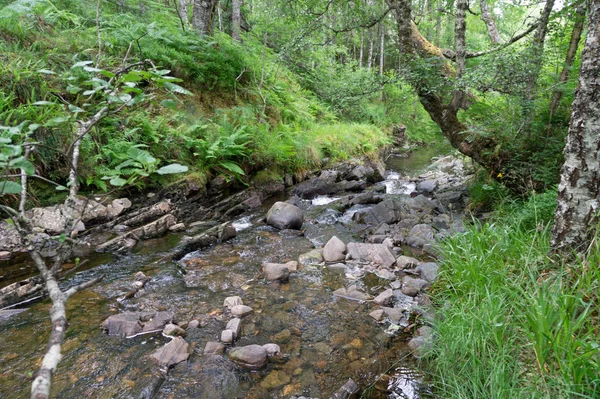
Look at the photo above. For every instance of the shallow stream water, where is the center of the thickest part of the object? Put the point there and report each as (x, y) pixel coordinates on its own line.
(325, 339)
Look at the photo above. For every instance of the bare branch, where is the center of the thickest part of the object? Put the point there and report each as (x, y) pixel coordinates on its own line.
(365, 25)
(73, 290)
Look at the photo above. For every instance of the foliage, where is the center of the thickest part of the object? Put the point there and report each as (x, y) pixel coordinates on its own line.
(515, 323)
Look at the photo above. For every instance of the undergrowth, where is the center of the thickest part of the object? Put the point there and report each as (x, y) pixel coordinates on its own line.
(514, 322)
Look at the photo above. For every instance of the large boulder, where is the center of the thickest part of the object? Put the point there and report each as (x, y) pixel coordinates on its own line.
(389, 211)
(252, 357)
(322, 185)
(376, 254)
(334, 250)
(285, 216)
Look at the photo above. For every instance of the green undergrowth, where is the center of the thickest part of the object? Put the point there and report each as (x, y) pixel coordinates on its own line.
(514, 322)
(247, 111)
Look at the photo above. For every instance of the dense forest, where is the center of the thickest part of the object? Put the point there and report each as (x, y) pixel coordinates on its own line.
(121, 98)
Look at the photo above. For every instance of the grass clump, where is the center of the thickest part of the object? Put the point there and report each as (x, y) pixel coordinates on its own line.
(514, 322)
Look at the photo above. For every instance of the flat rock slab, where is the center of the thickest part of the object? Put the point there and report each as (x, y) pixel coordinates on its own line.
(377, 254)
(172, 353)
(252, 357)
(132, 323)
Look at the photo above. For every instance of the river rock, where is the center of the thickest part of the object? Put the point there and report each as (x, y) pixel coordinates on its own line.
(173, 330)
(117, 206)
(322, 185)
(234, 325)
(172, 353)
(177, 227)
(412, 286)
(346, 391)
(421, 345)
(420, 235)
(427, 186)
(193, 324)
(276, 271)
(227, 336)
(450, 199)
(241, 310)
(334, 250)
(214, 348)
(132, 323)
(285, 216)
(272, 349)
(274, 379)
(394, 314)
(389, 211)
(232, 301)
(406, 262)
(377, 314)
(385, 298)
(352, 292)
(252, 357)
(377, 254)
(429, 271)
(292, 266)
(360, 172)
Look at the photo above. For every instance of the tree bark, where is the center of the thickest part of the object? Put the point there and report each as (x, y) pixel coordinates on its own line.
(576, 216)
(381, 48)
(362, 48)
(370, 55)
(570, 57)
(183, 12)
(204, 16)
(236, 20)
(490, 23)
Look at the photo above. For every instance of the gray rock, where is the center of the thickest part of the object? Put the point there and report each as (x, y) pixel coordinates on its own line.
(312, 257)
(427, 186)
(378, 171)
(407, 262)
(173, 330)
(334, 250)
(429, 271)
(322, 185)
(376, 254)
(131, 323)
(386, 274)
(420, 346)
(232, 301)
(389, 211)
(441, 222)
(450, 199)
(394, 314)
(252, 357)
(420, 235)
(285, 216)
(117, 206)
(214, 348)
(385, 298)
(177, 227)
(234, 325)
(352, 292)
(292, 266)
(276, 271)
(227, 336)
(193, 324)
(412, 286)
(272, 349)
(346, 391)
(172, 353)
(396, 285)
(360, 172)
(241, 310)
(377, 314)
(366, 199)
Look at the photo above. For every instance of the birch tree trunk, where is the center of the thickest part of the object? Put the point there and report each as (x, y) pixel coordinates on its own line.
(183, 12)
(490, 23)
(362, 48)
(370, 55)
(236, 20)
(381, 48)
(576, 216)
(204, 16)
(570, 57)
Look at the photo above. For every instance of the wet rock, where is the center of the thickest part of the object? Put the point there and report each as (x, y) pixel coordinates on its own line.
(366, 199)
(274, 379)
(323, 348)
(385, 298)
(441, 222)
(219, 233)
(173, 330)
(420, 346)
(394, 314)
(276, 271)
(396, 285)
(153, 229)
(377, 314)
(214, 348)
(193, 324)
(232, 301)
(124, 324)
(283, 337)
(292, 266)
(322, 185)
(172, 353)
(241, 310)
(177, 227)
(140, 276)
(337, 266)
(312, 257)
(352, 292)
(376, 254)
(420, 235)
(117, 206)
(334, 250)
(407, 262)
(351, 186)
(429, 271)
(378, 171)
(346, 391)
(412, 286)
(360, 172)
(385, 274)
(272, 349)
(234, 325)
(427, 186)
(389, 211)
(450, 199)
(227, 336)
(252, 357)
(285, 216)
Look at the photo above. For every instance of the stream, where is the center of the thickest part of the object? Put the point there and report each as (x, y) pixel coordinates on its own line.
(324, 339)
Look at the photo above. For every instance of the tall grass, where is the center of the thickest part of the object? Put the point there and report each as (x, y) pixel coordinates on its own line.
(514, 322)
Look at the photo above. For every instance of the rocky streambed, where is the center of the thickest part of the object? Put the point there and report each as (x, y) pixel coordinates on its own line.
(329, 303)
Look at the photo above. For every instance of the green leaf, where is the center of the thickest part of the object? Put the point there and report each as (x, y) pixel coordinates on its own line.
(22, 163)
(62, 238)
(133, 76)
(9, 187)
(73, 89)
(4, 140)
(61, 188)
(108, 74)
(176, 88)
(43, 103)
(118, 181)
(172, 168)
(56, 121)
(92, 69)
(46, 72)
(169, 104)
(232, 167)
(81, 64)
(75, 109)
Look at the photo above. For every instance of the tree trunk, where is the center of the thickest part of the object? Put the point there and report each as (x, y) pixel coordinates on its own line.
(490, 23)
(381, 48)
(204, 15)
(571, 52)
(362, 48)
(370, 55)
(183, 12)
(236, 20)
(579, 190)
